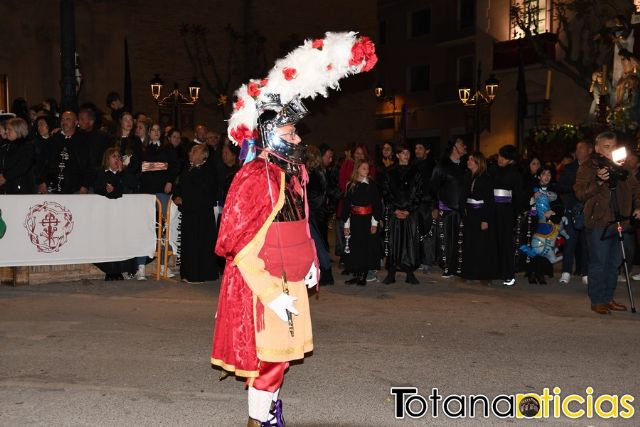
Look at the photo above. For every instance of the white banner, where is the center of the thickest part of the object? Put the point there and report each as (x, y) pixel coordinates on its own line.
(76, 229)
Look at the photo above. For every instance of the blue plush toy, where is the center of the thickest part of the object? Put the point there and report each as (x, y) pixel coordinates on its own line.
(543, 242)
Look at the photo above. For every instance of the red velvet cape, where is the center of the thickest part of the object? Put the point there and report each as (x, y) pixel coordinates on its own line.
(246, 209)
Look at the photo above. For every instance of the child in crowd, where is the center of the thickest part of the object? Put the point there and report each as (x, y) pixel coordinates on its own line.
(361, 214)
(111, 182)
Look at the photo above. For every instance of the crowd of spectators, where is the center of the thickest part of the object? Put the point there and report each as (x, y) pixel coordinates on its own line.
(470, 215)
(46, 151)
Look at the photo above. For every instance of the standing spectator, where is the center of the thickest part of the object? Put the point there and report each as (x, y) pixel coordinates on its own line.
(387, 157)
(362, 213)
(141, 131)
(111, 183)
(330, 173)
(141, 117)
(51, 106)
(43, 147)
(20, 108)
(70, 168)
(16, 175)
(594, 187)
(4, 142)
(196, 196)
(130, 148)
(230, 166)
(448, 189)
(566, 160)
(115, 104)
(479, 245)
(402, 193)
(318, 215)
(212, 139)
(173, 137)
(575, 246)
(157, 174)
(531, 176)
(98, 141)
(360, 153)
(425, 165)
(200, 137)
(508, 196)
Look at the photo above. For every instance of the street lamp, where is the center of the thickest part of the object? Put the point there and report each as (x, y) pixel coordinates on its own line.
(379, 92)
(175, 109)
(156, 86)
(479, 99)
(194, 90)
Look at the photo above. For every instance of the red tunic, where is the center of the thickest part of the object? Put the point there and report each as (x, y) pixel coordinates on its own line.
(249, 209)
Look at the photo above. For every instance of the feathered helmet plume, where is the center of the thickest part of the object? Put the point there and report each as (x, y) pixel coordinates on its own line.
(309, 70)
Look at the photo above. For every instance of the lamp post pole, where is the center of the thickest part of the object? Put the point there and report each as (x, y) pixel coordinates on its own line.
(477, 99)
(476, 145)
(69, 97)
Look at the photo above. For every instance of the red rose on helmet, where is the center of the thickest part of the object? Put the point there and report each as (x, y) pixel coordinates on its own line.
(263, 82)
(317, 44)
(253, 90)
(242, 132)
(363, 50)
(239, 104)
(289, 73)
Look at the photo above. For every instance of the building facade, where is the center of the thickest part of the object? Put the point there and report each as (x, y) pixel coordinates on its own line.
(429, 49)
(30, 58)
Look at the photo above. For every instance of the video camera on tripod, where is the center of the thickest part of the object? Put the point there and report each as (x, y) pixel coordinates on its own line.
(614, 166)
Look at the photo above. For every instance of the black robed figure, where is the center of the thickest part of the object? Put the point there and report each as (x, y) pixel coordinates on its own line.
(196, 195)
(448, 188)
(402, 193)
(479, 243)
(508, 195)
(361, 214)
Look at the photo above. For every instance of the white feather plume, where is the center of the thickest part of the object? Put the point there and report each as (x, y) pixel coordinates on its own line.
(309, 70)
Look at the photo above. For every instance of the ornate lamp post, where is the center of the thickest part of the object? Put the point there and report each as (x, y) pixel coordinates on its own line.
(175, 109)
(480, 99)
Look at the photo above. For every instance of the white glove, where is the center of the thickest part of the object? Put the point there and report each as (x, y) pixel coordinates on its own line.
(311, 279)
(282, 304)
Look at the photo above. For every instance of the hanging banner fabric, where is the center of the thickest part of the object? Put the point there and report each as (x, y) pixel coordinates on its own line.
(76, 229)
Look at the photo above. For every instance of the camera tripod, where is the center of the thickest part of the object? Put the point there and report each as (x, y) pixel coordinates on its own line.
(618, 219)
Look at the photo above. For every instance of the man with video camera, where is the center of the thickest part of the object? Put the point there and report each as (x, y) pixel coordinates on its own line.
(610, 195)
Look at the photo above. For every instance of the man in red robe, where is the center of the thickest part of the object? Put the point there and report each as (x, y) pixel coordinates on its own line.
(263, 321)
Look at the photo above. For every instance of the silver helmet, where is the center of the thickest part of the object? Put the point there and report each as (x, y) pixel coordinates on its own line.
(274, 115)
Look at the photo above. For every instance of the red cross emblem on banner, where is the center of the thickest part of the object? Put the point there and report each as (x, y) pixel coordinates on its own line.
(49, 225)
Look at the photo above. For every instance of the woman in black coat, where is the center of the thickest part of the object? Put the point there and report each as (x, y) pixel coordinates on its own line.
(16, 172)
(479, 243)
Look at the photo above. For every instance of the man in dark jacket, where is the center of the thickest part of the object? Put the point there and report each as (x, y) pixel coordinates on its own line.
(97, 140)
(602, 192)
(70, 165)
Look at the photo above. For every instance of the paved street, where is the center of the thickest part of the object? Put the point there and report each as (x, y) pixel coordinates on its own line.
(137, 353)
